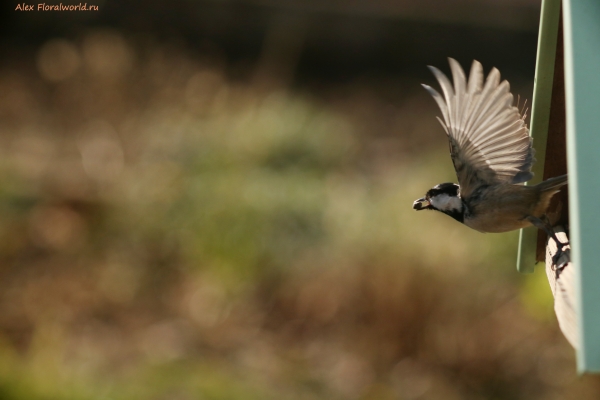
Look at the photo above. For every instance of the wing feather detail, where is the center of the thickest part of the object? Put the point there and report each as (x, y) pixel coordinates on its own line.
(489, 140)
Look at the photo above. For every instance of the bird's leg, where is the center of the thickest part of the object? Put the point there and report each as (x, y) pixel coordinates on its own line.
(547, 227)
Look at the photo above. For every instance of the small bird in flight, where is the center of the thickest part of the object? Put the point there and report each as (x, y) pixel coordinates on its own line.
(492, 154)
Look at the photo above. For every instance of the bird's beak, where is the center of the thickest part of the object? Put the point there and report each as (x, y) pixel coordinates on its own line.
(421, 204)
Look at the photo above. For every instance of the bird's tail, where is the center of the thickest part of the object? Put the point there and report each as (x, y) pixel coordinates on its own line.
(553, 184)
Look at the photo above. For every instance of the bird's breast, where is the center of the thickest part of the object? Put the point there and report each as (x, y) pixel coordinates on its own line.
(496, 223)
(501, 209)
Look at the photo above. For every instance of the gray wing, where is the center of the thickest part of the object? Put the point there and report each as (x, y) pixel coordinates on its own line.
(489, 140)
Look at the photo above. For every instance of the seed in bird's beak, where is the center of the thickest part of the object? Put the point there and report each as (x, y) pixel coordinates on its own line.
(421, 204)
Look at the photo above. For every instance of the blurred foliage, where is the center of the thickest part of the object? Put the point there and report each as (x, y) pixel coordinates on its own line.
(168, 232)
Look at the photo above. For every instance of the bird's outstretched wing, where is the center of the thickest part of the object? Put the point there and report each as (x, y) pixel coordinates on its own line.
(489, 140)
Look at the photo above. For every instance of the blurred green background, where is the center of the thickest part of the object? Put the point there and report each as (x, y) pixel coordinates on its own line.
(212, 200)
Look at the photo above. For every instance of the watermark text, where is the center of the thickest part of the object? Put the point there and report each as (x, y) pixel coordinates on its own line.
(56, 7)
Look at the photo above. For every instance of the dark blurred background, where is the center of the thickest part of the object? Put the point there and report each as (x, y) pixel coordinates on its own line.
(212, 200)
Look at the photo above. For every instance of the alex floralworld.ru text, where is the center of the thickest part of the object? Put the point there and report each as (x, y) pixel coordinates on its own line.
(55, 7)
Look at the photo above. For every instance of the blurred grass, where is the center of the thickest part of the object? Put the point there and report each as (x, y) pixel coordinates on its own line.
(167, 232)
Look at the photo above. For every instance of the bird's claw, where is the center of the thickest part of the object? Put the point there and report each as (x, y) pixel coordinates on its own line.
(557, 256)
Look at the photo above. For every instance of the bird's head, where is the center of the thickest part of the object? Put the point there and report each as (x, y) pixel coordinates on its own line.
(444, 197)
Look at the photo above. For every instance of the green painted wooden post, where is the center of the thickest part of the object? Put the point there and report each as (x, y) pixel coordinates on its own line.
(582, 83)
(540, 116)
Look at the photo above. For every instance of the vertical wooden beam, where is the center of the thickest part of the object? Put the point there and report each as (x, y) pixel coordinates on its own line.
(582, 84)
(540, 117)
(556, 146)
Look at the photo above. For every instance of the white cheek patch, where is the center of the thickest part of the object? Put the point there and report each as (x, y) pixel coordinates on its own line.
(446, 202)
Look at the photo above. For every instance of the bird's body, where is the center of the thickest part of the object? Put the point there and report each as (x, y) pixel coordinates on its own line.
(492, 153)
(518, 202)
